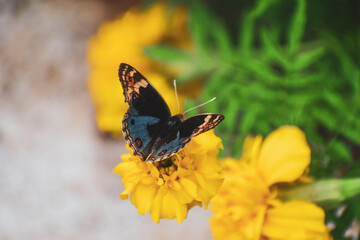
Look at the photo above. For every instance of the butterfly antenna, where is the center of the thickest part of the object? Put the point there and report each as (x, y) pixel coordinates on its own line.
(200, 105)
(177, 98)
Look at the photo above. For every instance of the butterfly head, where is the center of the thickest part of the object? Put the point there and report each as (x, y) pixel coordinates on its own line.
(179, 116)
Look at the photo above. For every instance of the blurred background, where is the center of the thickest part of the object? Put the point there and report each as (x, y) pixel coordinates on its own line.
(56, 179)
(268, 62)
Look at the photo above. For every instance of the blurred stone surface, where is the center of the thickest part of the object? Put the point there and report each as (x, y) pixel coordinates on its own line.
(56, 179)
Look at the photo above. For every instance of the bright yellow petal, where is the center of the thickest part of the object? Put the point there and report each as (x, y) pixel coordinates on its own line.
(209, 191)
(129, 188)
(155, 209)
(123, 168)
(189, 186)
(225, 228)
(295, 220)
(143, 196)
(240, 204)
(183, 197)
(251, 148)
(207, 142)
(166, 205)
(284, 155)
(172, 207)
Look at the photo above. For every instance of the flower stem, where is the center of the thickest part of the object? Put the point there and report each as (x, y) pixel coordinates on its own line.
(326, 193)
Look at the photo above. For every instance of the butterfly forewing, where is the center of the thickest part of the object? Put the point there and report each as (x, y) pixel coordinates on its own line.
(141, 95)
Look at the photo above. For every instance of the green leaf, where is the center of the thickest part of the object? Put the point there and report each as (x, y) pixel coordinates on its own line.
(345, 62)
(305, 59)
(237, 145)
(336, 102)
(354, 171)
(222, 40)
(297, 28)
(352, 134)
(273, 48)
(355, 207)
(325, 117)
(341, 151)
(357, 87)
(247, 31)
(299, 80)
(168, 55)
(249, 119)
(231, 115)
(200, 26)
(261, 71)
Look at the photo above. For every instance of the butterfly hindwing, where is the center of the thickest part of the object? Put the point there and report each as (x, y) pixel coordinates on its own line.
(184, 132)
(167, 149)
(198, 124)
(135, 129)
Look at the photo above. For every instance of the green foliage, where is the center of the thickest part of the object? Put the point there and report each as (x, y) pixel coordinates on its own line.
(287, 63)
(276, 72)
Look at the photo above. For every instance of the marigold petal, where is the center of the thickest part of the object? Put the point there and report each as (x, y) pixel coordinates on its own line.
(172, 207)
(200, 179)
(189, 186)
(148, 180)
(259, 222)
(209, 191)
(225, 228)
(183, 197)
(166, 205)
(143, 196)
(251, 148)
(124, 168)
(129, 187)
(207, 142)
(124, 196)
(175, 185)
(295, 220)
(284, 155)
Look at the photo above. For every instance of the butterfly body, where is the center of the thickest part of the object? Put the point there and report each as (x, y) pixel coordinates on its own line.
(148, 127)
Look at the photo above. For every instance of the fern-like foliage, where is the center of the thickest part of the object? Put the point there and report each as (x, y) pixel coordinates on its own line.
(270, 76)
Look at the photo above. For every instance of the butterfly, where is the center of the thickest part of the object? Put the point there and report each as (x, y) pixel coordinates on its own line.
(148, 127)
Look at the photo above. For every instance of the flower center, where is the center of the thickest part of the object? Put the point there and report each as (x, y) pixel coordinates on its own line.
(167, 166)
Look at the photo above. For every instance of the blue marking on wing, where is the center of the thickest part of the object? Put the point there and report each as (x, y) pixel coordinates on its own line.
(137, 126)
(170, 147)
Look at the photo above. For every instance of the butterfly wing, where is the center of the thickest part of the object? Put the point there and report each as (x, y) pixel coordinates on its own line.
(142, 97)
(147, 111)
(183, 133)
(166, 149)
(198, 124)
(137, 134)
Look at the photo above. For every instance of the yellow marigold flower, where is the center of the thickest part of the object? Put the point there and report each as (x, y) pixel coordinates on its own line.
(169, 188)
(247, 207)
(123, 40)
